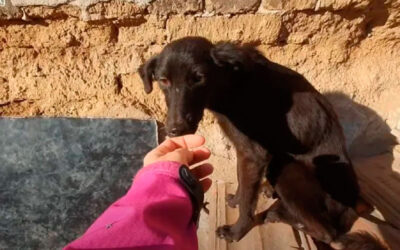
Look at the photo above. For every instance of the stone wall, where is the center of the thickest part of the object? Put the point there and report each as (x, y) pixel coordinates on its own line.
(79, 57)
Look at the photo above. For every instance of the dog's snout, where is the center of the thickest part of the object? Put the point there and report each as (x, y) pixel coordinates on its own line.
(174, 132)
(178, 130)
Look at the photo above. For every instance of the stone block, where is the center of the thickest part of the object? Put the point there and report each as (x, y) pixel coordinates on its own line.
(165, 7)
(114, 10)
(288, 4)
(231, 6)
(148, 33)
(314, 4)
(9, 11)
(58, 34)
(262, 28)
(47, 12)
(272, 4)
(343, 4)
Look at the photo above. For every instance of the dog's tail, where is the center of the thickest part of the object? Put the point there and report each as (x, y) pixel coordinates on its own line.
(360, 240)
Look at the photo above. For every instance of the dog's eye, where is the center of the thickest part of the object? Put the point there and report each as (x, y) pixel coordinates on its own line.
(197, 78)
(164, 82)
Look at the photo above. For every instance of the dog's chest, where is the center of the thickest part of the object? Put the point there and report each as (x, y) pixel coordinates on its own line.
(243, 144)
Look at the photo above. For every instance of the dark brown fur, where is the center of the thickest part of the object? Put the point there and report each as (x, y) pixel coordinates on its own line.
(304, 205)
(268, 110)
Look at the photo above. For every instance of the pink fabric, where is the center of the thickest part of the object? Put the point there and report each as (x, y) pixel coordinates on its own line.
(154, 214)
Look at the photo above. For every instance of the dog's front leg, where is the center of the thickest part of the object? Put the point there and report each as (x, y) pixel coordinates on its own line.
(267, 189)
(249, 177)
(233, 199)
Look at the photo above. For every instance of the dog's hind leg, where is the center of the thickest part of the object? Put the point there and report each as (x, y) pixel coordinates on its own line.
(277, 213)
(249, 179)
(313, 226)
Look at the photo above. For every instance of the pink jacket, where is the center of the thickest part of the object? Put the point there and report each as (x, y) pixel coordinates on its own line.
(156, 213)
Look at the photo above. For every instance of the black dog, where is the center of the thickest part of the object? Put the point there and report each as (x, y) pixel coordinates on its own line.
(264, 108)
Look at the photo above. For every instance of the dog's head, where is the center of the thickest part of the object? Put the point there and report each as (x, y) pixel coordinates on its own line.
(188, 71)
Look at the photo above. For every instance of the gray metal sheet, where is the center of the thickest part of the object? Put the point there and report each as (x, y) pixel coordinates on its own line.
(58, 174)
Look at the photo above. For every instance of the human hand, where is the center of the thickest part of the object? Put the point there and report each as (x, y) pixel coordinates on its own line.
(185, 150)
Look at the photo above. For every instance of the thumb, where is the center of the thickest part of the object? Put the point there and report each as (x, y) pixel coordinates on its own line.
(183, 155)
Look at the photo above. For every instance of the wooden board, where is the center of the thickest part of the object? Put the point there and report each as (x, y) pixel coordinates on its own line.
(274, 236)
(380, 182)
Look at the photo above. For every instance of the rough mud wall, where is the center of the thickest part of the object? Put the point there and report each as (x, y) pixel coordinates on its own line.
(79, 58)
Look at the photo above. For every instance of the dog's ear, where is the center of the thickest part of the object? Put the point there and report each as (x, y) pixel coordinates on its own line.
(146, 72)
(226, 54)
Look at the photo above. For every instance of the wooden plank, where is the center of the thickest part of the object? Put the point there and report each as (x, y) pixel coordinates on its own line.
(380, 183)
(253, 240)
(221, 215)
(386, 233)
(203, 232)
(306, 242)
(379, 179)
(212, 221)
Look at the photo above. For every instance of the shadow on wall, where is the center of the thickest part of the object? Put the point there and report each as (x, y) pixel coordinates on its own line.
(370, 144)
(367, 134)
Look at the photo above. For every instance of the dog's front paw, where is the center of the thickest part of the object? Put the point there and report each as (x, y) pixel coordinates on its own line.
(232, 200)
(225, 232)
(236, 231)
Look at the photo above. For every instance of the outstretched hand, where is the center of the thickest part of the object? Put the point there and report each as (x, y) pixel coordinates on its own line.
(185, 150)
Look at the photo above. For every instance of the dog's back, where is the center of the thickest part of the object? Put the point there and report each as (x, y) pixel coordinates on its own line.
(275, 106)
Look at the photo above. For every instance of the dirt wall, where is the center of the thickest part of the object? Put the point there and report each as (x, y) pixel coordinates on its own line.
(80, 58)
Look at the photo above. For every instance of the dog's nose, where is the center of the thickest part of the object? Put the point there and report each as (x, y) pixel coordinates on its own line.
(174, 132)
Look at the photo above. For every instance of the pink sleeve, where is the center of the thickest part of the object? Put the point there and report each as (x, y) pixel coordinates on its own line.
(155, 214)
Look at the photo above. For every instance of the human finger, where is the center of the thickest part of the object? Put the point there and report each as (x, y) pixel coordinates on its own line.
(200, 155)
(189, 141)
(202, 171)
(206, 184)
(171, 144)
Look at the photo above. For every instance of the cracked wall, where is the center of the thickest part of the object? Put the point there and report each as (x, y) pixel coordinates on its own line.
(79, 58)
